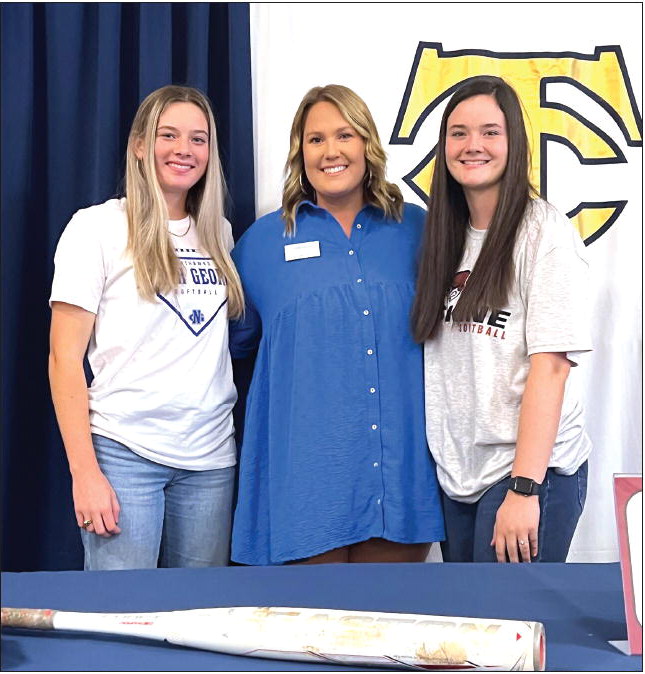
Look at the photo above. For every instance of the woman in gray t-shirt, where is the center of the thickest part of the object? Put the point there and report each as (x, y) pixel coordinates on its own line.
(501, 306)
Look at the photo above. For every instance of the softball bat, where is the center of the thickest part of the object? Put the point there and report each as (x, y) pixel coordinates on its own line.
(349, 638)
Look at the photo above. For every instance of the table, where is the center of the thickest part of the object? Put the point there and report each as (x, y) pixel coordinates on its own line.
(580, 605)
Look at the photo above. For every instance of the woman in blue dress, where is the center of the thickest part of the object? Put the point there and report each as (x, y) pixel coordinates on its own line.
(334, 463)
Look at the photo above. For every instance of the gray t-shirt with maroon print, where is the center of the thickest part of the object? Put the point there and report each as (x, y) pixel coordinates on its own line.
(475, 371)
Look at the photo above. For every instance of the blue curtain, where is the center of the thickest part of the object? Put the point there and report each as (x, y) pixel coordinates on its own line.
(73, 75)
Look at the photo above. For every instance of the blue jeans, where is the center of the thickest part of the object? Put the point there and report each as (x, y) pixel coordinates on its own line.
(469, 526)
(169, 517)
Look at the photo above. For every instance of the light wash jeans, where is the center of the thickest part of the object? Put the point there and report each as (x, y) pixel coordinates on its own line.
(469, 526)
(169, 517)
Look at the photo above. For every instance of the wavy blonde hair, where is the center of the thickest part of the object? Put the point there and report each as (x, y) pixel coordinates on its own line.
(156, 267)
(378, 192)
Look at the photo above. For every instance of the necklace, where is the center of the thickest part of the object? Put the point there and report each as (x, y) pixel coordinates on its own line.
(187, 230)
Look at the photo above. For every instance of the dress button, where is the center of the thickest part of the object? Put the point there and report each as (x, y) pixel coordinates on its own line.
(359, 280)
(374, 427)
(351, 252)
(375, 464)
(359, 226)
(366, 312)
(378, 501)
(370, 352)
(372, 390)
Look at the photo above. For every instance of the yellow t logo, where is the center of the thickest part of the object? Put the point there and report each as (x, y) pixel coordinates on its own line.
(602, 76)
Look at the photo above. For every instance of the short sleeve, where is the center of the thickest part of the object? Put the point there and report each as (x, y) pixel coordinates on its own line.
(79, 267)
(557, 297)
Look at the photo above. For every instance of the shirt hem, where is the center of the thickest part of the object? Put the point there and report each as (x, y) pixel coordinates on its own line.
(155, 458)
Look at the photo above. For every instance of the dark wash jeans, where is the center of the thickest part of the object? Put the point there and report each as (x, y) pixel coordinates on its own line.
(469, 526)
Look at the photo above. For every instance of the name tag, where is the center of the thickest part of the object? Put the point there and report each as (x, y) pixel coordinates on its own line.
(300, 251)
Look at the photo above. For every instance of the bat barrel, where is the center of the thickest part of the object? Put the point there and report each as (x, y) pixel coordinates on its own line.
(364, 638)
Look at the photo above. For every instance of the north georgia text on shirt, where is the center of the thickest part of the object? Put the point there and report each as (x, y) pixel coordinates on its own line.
(197, 275)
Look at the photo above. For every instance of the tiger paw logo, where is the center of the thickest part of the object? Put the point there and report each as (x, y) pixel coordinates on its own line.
(602, 77)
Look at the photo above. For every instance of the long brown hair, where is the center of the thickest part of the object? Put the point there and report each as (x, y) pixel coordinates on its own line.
(378, 192)
(447, 219)
(156, 267)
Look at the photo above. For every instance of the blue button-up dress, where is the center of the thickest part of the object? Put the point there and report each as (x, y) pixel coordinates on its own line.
(334, 448)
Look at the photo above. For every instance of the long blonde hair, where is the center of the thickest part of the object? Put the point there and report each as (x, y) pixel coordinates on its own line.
(156, 267)
(378, 192)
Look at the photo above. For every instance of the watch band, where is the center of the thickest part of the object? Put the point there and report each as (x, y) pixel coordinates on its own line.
(524, 485)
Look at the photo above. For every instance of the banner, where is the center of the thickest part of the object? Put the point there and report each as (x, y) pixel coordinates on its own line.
(578, 71)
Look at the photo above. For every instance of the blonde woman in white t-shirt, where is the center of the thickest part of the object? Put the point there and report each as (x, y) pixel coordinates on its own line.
(501, 307)
(146, 285)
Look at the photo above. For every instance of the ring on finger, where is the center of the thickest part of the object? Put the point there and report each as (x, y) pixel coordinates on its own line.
(86, 523)
(522, 542)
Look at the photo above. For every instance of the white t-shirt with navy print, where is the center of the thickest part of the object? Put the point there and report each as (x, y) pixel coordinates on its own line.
(163, 383)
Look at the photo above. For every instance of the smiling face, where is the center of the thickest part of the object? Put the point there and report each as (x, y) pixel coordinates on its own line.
(477, 144)
(334, 158)
(181, 149)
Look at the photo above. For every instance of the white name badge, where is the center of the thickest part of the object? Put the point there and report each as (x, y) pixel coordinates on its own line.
(300, 251)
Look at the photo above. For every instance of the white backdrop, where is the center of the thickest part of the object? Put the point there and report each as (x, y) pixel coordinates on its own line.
(371, 48)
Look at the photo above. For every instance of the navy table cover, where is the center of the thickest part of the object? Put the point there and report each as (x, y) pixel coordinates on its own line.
(580, 605)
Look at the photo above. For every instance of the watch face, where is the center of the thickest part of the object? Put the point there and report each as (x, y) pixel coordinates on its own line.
(522, 485)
